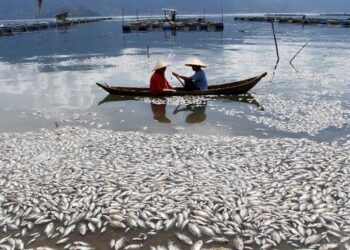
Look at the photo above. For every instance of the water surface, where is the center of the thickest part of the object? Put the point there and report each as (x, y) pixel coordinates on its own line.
(47, 79)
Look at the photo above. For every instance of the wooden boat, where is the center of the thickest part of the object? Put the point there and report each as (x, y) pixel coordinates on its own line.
(231, 88)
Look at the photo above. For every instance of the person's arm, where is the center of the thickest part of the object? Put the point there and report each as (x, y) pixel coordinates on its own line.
(197, 77)
(167, 87)
(186, 78)
(171, 86)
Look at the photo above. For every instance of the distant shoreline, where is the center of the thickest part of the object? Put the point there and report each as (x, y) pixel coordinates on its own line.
(213, 15)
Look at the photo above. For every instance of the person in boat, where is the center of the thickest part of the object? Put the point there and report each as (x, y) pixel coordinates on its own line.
(198, 81)
(158, 81)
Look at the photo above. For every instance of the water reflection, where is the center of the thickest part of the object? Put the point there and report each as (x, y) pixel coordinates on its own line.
(117, 98)
(197, 112)
(194, 107)
(159, 112)
(247, 98)
(63, 29)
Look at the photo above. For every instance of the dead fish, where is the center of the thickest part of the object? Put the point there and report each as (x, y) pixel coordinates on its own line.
(184, 238)
(172, 246)
(82, 228)
(313, 239)
(68, 230)
(237, 219)
(266, 246)
(201, 214)
(329, 246)
(194, 229)
(134, 246)
(111, 244)
(117, 224)
(220, 239)
(276, 237)
(170, 223)
(243, 213)
(119, 244)
(3, 240)
(49, 229)
(159, 225)
(238, 243)
(61, 241)
(132, 222)
(91, 227)
(197, 246)
(207, 231)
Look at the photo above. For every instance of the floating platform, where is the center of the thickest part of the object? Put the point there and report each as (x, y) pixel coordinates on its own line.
(198, 24)
(20, 28)
(296, 19)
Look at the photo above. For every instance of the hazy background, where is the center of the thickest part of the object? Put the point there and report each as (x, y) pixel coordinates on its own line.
(19, 9)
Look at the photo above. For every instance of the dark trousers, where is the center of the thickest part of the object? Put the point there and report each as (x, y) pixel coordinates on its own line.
(190, 85)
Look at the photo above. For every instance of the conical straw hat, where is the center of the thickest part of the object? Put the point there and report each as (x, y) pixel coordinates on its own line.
(195, 62)
(160, 64)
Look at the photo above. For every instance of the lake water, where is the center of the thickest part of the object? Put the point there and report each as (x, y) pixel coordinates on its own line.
(78, 182)
(47, 79)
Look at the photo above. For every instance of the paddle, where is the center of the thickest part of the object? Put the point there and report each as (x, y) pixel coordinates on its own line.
(178, 78)
(176, 110)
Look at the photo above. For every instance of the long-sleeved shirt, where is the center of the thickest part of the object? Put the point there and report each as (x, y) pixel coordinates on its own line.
(200, 80)
(158, 83)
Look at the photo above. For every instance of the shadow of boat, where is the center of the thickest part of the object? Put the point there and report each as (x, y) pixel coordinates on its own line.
(244, 98)
(195, 108)
(117, 98)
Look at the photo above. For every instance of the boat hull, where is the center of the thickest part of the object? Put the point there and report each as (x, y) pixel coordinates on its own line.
(231, 88)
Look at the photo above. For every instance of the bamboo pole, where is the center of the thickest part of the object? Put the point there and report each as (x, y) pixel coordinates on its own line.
(291, 60)
(276, 45)
(123, 15)
(222, 15)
